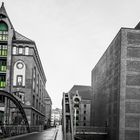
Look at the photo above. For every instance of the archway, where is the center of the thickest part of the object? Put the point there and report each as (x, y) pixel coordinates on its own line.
(17, 104)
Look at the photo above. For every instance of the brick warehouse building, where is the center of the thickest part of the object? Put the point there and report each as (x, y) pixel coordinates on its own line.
(116, 86)
(83, 114)
(21, 73)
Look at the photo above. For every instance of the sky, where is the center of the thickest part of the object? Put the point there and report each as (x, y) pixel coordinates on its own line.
(71, 35)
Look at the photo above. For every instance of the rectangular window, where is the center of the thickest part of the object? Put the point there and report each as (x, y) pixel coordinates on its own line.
(2, 81)
(26, 50)
(34, 79)
(19, 80)
(3, 35)
(3, 50)
(22, 97)
(3, 64)
(14, 50)
(20, 50)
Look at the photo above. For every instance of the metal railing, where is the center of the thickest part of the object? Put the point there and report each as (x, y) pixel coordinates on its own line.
(12, 130)
(91, 129)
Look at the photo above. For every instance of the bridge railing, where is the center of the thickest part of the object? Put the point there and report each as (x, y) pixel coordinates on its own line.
(91, 129)
(12, 130)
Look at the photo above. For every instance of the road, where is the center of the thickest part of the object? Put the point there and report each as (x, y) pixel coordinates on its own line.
(49, 134)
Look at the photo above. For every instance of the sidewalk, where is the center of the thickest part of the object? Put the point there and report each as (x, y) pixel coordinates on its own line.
(59, 133)
(49, 134)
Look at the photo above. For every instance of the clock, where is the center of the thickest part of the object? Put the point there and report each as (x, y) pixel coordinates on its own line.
(19, 65)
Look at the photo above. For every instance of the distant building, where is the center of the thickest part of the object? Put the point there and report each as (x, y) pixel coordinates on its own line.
(116, 86)
(21, 74)
(83, 114)
(56, 116)
(48, 109)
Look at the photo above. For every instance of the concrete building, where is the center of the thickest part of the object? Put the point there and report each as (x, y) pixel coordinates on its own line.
(21, 73)
(83, 114)
(116, 86)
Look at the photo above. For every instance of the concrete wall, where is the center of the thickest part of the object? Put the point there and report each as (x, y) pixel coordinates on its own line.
(132, 94)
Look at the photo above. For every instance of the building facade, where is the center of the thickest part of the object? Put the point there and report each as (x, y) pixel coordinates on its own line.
(48, 110)
(56, 116)
(83, 113)
(21, 73)
(116, 86)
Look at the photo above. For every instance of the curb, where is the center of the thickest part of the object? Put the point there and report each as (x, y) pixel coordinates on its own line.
(18, 136)
(55, 134)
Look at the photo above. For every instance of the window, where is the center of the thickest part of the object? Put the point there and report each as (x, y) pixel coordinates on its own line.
(3, 50)
(3, 31)
(19, 73)
(33, 101)
(34, 79)
(84, 118)
(20, 50)
(3, 65)
(84, 112)
(20, 96)
(77, 118)
(84, 105)
(19, 80)
(77, 111)
(26, 50)
(2, 81)
(14, 50)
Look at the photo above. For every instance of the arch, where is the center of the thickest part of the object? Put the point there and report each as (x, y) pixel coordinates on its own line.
(19, 71)
(18, 105)
(3, 26)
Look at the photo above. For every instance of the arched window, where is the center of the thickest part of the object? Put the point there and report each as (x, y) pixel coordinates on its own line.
(3, 26)
(19, 73)
(3, 31)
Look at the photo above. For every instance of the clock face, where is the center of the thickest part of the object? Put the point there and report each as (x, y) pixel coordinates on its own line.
(19, 65)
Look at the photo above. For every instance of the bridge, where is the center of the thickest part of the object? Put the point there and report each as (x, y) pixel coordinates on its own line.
(8, 129)
(73, 132)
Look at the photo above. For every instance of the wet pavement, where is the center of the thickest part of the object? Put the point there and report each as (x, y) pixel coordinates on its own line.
(59, 133)
(49, 134)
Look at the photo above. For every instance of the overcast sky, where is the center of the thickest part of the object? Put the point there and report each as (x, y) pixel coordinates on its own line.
(71, 35)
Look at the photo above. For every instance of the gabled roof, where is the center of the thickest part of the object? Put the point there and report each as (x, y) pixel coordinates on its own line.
(20, 37)
(4, 14)
(2, 10)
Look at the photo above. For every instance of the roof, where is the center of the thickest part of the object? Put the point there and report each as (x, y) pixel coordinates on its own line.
(137, 26)
(4, 13)
(20, 37)
(80, 88)
(2, 10)
(84, 91)
(87, 95)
